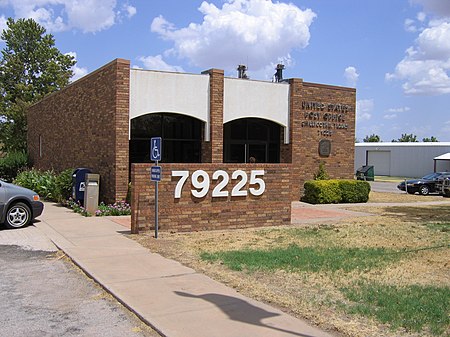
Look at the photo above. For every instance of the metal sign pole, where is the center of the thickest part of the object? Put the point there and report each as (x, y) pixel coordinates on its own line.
(156, 207)
(155, 172)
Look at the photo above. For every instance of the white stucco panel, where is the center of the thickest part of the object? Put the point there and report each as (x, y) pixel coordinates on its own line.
(267, 100)
(155, 91)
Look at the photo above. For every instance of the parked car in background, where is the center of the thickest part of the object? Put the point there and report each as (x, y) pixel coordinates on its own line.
(440, 183)
(446, 187)
(18, 205)
(424, 185)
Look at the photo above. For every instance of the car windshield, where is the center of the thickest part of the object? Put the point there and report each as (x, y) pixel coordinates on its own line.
(431, 176)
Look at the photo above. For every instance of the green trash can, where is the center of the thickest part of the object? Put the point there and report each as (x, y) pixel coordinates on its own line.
(366, 173)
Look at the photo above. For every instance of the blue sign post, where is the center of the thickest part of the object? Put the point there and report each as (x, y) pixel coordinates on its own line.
(155, 172)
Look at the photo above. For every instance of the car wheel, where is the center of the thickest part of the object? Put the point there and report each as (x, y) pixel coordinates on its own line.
(424, 190)
(18, 215)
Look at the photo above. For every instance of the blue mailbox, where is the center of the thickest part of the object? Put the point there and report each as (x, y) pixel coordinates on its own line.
(79, 184)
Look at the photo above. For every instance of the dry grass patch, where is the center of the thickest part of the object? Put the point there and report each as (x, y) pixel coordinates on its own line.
(418, 235)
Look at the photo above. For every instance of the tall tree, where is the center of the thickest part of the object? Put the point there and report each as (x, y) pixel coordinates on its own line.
(433, 139)
(30, 68)
(407, 138)
(373, 138)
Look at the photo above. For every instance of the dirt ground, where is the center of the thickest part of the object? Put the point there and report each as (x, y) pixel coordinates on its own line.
(316, 296)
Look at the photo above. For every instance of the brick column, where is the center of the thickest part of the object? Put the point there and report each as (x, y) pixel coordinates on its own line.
(212, 151)
(122, 121)
(296, 140)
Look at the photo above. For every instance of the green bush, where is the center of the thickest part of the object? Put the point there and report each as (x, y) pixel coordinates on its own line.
(64, 185)
(336, 191)
(353, 191)
(48, 184)
(321, 173)
(43, 183)
(12, 164)
(322, 192)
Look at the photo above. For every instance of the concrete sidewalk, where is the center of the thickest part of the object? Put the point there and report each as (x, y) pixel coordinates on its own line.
(175, 300)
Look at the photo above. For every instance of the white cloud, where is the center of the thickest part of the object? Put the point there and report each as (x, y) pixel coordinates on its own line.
(131, 11)
(2, 24)
(410, 26)
(446, 127)
(425, 69)
(78, 72)
(390, 116)
(364, 109)
(437, 7)
(421, 16)
(89, 16)
(351, 76)
(426, 66)
(157, 63)
(401, 109)
(253, 32)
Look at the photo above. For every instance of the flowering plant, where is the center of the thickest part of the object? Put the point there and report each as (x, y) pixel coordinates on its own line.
(118, 208)
(76, 207)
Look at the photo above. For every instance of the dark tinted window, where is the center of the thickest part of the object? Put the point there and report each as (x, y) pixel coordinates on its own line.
(251, 137)
(181, 136)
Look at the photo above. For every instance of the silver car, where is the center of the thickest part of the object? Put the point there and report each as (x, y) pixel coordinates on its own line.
(18, 205)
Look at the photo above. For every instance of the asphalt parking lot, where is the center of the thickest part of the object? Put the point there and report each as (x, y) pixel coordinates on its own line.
(43, 294)
(386, 187)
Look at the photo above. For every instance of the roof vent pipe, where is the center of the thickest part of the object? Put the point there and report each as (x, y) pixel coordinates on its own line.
(279, 74)
(242, 71)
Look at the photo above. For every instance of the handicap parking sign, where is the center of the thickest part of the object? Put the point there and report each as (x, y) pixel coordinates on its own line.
(155, 148)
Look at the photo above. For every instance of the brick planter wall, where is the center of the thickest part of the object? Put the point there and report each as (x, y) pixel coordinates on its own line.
(191, 214)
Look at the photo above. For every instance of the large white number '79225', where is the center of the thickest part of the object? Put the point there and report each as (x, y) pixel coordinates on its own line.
(201, 182)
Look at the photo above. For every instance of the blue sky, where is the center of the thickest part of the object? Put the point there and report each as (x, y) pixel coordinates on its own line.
(396, 53)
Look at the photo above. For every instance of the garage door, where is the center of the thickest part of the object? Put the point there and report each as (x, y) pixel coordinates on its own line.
(381, 162)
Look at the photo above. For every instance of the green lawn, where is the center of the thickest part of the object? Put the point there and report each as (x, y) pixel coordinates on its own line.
(413, 308)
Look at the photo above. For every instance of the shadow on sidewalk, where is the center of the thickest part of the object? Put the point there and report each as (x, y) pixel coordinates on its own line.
(240, 310)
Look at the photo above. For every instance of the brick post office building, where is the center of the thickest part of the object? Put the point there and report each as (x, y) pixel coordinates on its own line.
(236, 152)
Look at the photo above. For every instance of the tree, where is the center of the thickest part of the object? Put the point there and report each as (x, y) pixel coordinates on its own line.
(407, 138)
(31, 67)
(432, 139)
(373, 138)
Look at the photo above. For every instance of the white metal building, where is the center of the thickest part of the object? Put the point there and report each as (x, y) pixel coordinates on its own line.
(402, 159)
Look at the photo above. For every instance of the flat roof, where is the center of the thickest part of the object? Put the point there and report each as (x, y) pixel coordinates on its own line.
(445, 156)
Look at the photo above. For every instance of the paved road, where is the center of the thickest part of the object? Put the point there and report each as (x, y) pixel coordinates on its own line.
(381, 186)
(43, 294)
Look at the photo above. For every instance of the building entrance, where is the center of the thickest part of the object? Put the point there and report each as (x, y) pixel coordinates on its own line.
(251, 140)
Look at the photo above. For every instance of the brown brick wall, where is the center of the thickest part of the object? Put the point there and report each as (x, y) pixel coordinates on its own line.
(305, 139)
(191, 214)
(86, 125)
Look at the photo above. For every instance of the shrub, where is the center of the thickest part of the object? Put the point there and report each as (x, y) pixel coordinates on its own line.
(12, 164)
(335, 191)
(322, 192)
(321, 173)
(47, 184)
(353, 191)
(43, 183)
(64, 185)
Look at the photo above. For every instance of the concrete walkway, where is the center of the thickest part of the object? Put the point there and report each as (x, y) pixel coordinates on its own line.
(175, 300)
